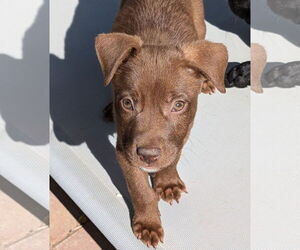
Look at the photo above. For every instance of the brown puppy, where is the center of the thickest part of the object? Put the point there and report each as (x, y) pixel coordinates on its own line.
(158, 63)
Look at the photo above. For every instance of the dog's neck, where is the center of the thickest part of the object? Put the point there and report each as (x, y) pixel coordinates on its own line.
(156, 37)
(157, 23)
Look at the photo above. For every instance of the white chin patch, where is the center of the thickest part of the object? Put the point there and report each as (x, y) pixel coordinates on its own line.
(149, 170)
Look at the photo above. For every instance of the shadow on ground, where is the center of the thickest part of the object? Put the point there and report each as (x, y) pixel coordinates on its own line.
(77, 93)
(223, 18)
(265, 19)
(24, 85)
(77, 213)
(24, 99)
(24, 200)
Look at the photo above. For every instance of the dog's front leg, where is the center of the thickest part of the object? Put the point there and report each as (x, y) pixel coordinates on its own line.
(146, 223)
(168, 185)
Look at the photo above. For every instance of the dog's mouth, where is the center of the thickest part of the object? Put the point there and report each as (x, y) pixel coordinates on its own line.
(149, 170)
(151, 167)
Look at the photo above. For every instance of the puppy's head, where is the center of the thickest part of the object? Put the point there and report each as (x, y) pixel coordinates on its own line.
(155, 91)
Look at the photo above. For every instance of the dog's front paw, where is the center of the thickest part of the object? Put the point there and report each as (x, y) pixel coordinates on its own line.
(169, 190)
(149, 231)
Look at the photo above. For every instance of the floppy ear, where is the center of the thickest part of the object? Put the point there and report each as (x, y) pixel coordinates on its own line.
(112, 49)
(210, 59)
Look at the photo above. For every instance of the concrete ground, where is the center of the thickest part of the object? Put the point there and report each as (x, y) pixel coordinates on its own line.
(70, 229)
(21, 229)
(24, 225)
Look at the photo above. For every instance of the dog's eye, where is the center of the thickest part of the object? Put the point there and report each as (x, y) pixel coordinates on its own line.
(178, 106)
(127, 104)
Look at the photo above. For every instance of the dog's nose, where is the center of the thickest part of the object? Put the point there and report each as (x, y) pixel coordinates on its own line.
(148, 155)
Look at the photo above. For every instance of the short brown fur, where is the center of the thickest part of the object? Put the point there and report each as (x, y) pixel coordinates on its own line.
(158, 63)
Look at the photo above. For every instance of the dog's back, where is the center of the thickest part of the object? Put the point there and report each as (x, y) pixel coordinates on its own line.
(161, 21)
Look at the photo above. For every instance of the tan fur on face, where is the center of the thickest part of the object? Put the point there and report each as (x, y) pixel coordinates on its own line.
(152, 89)
(258, 62)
